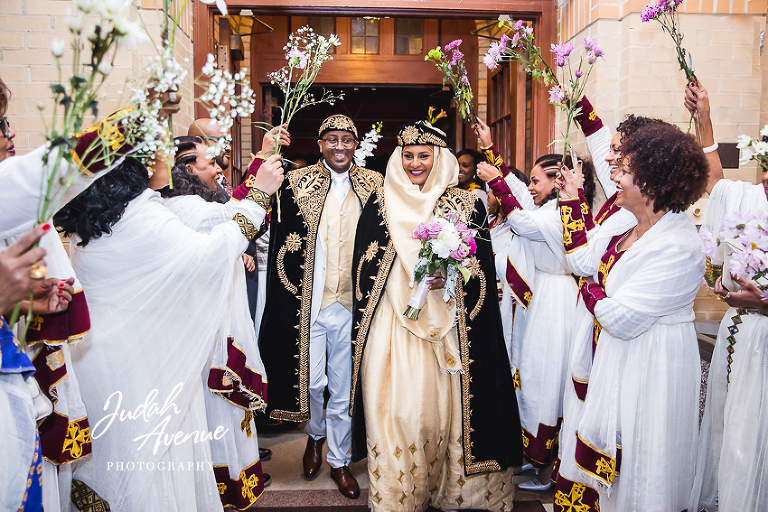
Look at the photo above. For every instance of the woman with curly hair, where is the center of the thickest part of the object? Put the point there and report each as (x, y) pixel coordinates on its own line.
(635, 441)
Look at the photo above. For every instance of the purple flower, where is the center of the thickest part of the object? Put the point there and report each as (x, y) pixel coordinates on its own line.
(464, 79)
(492, 58)
(579, 73)
(753, 237)
(591, 58)
(432, 229)
(457, 55)
(465, 232)
(298, 58)
(556, 95)
(460, 252)
(453, 44)
(739, 265)
(764, 295)
(709, 241)
(733, 224)
(420, 233)
(559, 61)
(650, 12)
(527, 31)
(490, 62)
(515, 38)
(518, 25)
(562, 50)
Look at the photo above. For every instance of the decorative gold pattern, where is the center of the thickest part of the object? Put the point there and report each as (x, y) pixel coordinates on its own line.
(516, 378)
(76, 439)
(604, 268)
(259, 197)
(310, 187)
(470, 466)
(365, 322)
(86, 499)
(338, 122)
(420, 133)
(572, 502)
(247, 228)
(369, 254)
(569, 224)
(607, 468)
(55, 360)
(222, 487)
(249, 484)
(292, 244)
(475, 270)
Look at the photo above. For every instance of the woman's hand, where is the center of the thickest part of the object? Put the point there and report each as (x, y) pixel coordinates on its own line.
(270, 175)
(51, 295)
(486, 171)
(483, 133)
(248, 261)
(268, 142)
(17, 263)
(438, 280)
(697, 99)
(573, 180)
(748, 297)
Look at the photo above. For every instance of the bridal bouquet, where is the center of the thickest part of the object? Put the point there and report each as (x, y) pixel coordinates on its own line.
(746, 238)
(446, 244)
(565, 91)
(455, 72)
(754, 149)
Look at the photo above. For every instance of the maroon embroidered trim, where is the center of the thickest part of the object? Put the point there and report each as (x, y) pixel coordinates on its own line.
(519, 286)
(68, 325)
(573, 496)
(596, 463)
(237, 383)
(541, 449)
(574, 228)
(242, 492)
(608, 209)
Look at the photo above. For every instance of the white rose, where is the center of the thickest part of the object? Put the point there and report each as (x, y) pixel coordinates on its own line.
(743, 141)
(440, 248)
(450, 237)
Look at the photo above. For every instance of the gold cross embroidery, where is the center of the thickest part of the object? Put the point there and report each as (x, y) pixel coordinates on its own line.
(249, 484)
(37, 323)
(525, 440)
(572, 502)
(516, 379)
(222, 487)
(569, 224)
(76, 439)
(609, 469)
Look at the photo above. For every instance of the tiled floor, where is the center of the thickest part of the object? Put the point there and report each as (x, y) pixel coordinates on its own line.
(290, 488)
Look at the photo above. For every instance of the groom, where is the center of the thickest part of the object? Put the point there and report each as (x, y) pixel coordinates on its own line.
(305, 338)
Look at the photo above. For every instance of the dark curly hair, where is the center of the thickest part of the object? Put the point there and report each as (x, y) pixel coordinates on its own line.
(668, 165)
(99, 207)
(187, 183)
(632, 123)
(5, 95)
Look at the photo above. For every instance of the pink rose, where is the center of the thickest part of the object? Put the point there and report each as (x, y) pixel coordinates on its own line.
(420, 233)
(432, 229)
(465, 232)
(472, 247)
(459, 253)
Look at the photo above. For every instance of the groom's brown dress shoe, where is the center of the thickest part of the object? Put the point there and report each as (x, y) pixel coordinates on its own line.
(346, 482)
(313, 456)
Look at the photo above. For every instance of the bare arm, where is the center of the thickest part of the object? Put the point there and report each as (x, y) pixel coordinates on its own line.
(697, 100)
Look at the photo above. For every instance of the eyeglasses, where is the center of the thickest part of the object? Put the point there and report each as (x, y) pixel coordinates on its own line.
(5, 127)
(333, 142)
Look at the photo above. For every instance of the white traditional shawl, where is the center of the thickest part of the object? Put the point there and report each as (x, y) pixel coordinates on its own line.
(654, 282)
(157, 293)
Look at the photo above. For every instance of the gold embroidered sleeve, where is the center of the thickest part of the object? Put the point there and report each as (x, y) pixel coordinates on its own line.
(246, 226)
(260, 198)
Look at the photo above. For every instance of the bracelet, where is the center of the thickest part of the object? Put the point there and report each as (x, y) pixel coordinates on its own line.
(259, 197)
(710, 149)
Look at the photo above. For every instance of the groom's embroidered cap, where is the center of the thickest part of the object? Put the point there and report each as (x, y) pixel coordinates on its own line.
(338, 122)
(421, 133)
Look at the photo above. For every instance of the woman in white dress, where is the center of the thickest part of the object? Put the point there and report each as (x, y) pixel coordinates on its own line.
(636, 440)
(732, 467)
(540, 355)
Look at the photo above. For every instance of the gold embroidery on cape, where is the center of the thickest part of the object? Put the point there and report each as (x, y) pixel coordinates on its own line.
(470, 466)
(584, 208)
(459, 201)
(494, 160)
(292, 244)
(365, 322)
(572, 502)
(369, 254)
(37, 323)
(76, 439)
(364, 182)
(570, 225)
(249, 484)
(222, 487)
(516, 378)
(607, 467)
(475, 271)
